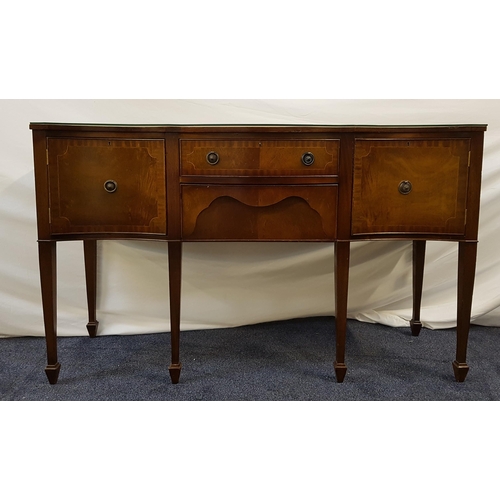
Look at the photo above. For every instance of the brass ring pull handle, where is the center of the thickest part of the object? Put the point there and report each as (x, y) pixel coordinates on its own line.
(405, 187)
(307, 159)
(110, 186)
(212, 158)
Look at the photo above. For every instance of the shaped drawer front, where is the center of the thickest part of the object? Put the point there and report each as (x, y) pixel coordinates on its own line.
(271, 158)
(101, 186)
(410, 186)
(273, 213)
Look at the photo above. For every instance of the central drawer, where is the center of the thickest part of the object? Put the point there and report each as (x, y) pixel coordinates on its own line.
(246, 213)
(316, 157)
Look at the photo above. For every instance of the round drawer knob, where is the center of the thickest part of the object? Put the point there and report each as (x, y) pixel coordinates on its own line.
(110, 186)
(307, 159)
(405, 187)
(212, 158)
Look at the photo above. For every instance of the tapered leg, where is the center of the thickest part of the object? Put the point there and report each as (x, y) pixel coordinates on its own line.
(48, 281)
(174, 272)
(467, 252)
(342, 251)
(90, 257)
(418, 279)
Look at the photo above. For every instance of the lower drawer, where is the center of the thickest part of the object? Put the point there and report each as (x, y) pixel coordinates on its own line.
(246, 213)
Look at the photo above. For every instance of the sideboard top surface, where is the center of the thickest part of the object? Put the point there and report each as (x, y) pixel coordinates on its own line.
(181, 128)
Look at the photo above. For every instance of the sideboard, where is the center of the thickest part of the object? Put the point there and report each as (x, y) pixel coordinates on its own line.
(179, 183)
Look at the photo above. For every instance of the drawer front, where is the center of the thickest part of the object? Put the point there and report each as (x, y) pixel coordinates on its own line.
(107, 186)
(246, 213)
(261, 158)
(410, 186)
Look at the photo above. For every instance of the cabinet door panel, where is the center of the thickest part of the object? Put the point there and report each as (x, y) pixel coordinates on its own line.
(81, 201)
(410, 186)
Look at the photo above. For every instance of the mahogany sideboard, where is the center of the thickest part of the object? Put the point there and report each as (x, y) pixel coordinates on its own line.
(336, 184)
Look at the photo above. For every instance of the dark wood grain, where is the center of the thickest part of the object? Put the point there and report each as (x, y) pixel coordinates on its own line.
(175, 279)
(48, 281)
(41, 184)
(474, 187)
(438, 173)
(90, 259)
(78, 170)
(259, 157)
(342, 255)
(173, 186)
(149, 129)
(467, 252)
(417, 284)
(260, 190)
(260, 213)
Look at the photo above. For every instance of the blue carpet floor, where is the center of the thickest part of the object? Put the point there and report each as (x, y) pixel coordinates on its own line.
(280, 361)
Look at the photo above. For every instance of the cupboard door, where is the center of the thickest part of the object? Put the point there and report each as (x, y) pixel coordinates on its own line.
(107, 186)
(410, 186)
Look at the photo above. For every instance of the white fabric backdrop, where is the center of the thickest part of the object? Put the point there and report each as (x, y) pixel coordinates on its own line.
(229, 284)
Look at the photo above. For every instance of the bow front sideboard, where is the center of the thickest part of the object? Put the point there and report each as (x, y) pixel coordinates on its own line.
(179, 183)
